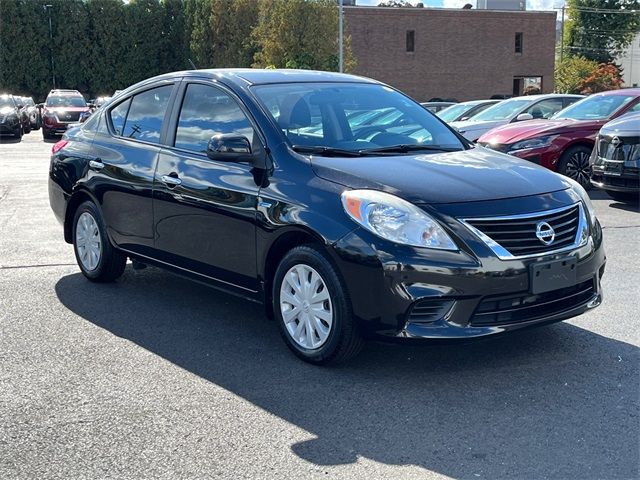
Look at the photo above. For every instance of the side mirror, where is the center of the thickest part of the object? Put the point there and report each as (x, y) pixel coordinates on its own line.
(230, 148)
(463, 119)
(19, 105)
(91, 105)
(40, 105)
(524, 116)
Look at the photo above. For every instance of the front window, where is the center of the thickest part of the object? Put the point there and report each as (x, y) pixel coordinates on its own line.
(595, 107)
(503, 110)
(66, 101)
(353, 117)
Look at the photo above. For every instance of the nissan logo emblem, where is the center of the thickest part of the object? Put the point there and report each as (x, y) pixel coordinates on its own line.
(615, 141)
(545, 233)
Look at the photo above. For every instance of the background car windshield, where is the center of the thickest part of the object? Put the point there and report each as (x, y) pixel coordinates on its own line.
(596, 107)
(503, 110)
(66, 102)
(451, 113)
(6, 102)
(352, 116)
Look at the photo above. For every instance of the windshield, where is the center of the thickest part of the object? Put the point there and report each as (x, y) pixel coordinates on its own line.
(595, 107)
(452, 113)
(66, 101)
(6, 102)
(352, 117)
(504, 110)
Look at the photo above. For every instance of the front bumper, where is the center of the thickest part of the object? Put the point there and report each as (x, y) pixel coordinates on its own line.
(401, 292)
(627, 181)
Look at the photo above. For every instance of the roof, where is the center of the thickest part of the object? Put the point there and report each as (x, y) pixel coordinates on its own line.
(255, 76)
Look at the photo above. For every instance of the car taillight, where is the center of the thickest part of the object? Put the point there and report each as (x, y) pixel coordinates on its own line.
(59, 146)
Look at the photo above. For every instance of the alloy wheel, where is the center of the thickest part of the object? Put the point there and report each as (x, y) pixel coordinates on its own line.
(305, 305)
(578, 168)
(88, 241)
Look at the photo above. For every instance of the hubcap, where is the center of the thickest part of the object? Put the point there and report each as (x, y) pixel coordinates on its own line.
(578, 168)
(88, 241)
(306, 307)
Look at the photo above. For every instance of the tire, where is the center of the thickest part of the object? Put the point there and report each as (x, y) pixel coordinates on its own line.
(574, 163)
(18, 133)
(109, 263)
(342, 340)
(46, 135)
(630, 197)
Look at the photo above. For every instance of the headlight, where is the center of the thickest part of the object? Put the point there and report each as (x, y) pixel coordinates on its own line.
(582, 195)
(395, 219)
(538, 142)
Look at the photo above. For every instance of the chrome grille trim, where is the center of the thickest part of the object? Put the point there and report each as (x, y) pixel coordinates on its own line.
(503, 254)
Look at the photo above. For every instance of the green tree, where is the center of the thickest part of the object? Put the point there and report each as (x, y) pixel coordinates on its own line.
(299, 34)
(571, 72)
(600, 29)
(232, 22)
(198, 33)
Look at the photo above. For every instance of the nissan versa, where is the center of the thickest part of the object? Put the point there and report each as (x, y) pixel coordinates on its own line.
(258, 182)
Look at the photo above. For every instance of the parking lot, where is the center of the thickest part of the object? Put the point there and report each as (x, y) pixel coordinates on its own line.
(155, 376)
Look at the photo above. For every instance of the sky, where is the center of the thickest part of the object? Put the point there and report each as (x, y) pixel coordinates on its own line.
(531, 4)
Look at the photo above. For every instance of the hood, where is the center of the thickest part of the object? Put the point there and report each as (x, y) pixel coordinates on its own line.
(517, 132)
(66, 109)
(626, 126)
(7, 110)
(472, 175)
(470, 125)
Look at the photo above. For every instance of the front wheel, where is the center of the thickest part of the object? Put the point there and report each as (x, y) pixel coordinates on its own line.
(574, 163)
(312, 308)
(98, 260)
(18, 133)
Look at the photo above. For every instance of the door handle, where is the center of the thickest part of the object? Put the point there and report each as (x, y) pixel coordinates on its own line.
(171, 180)
(96, 164)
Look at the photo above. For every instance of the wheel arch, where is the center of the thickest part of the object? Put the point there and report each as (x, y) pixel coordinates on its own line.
(77, 198)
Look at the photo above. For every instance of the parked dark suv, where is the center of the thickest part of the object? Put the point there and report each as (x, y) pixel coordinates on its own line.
(10, 122)
(615, 159)
(257, 182)
(62, 108)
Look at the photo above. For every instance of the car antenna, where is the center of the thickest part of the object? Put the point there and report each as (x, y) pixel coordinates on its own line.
(192, 64)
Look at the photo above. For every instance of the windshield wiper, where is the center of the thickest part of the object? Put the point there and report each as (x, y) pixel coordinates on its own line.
(329, 151)
(411, 147)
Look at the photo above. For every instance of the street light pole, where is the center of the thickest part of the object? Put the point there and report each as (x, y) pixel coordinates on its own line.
(341, 36)
(562, 35)
(53, 75)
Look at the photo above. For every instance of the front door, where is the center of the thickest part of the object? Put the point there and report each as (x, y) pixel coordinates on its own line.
(205, 210)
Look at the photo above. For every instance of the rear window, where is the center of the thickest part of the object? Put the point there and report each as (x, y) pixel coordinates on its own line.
(146, 113)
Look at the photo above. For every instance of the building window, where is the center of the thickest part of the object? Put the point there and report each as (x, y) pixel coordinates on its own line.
(411, 40)
(518, 42)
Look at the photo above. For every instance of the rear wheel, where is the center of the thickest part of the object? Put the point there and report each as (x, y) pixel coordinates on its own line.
(631, 197)
(18, 133)
(574, 163)
(96, 257)
(312, 308)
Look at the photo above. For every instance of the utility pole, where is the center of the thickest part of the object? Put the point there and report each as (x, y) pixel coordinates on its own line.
(53, 75)
(340, 35)
(562, 34)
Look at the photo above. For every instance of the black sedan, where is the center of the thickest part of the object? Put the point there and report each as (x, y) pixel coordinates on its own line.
(263, 183)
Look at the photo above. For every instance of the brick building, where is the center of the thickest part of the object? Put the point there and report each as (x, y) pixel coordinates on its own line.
(447, 53)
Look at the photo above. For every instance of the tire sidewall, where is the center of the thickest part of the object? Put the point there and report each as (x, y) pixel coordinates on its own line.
(90, 207)
(339, 301)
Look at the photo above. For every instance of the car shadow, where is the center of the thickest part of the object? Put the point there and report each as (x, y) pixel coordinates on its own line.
(7, 139)
(555, 402)
(627, 206)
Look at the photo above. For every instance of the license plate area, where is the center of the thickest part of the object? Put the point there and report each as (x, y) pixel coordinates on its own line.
(613, 168)
(553, 275)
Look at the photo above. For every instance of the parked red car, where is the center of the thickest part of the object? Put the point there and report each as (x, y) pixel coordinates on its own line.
(62, 108)
(564, 142)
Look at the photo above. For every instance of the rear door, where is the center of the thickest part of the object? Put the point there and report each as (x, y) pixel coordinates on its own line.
(205, 210)
(125, 151)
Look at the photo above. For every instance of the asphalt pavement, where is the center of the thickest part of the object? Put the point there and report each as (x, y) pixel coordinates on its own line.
(157, 377)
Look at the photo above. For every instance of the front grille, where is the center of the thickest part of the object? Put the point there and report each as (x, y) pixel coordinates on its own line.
(624, 149)
(68, 117)
(429, 311)
(524, 307)
(515, 236)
